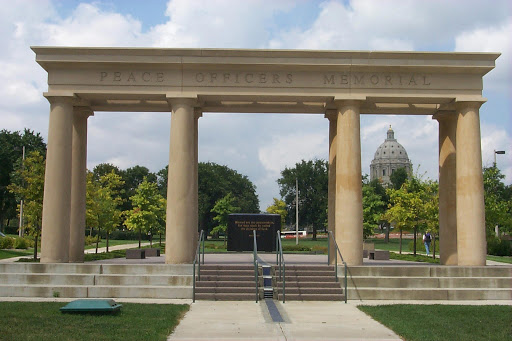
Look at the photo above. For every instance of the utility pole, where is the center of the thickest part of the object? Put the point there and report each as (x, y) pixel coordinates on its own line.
(21, 231)
(296, 211)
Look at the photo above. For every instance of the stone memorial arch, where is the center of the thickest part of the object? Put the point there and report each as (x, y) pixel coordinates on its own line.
(342, 85)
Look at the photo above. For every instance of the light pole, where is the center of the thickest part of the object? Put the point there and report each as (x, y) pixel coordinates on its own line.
(21, 231)
(497, 152)
(296, 211)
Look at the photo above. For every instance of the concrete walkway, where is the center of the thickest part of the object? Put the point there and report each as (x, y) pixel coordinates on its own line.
(229, 320)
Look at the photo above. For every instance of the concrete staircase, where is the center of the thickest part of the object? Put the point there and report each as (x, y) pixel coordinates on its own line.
(309, 283)
(226, 283)
(428, 282)
(95, 280)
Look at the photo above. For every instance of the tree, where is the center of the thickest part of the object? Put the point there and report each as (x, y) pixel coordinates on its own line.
(103, 203)
(278, 207)
(132, 178)
(104, 169)
(215, 182)
(498, 203)
(313, 186)
(222, 209)
(373, 207)
(30, 186)
(11, 152)
(398, 178)
(146, 205)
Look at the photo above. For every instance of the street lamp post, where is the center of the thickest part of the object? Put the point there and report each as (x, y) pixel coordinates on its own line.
(497, 152)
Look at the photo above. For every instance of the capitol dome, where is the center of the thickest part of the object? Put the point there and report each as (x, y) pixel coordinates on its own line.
(389, 157)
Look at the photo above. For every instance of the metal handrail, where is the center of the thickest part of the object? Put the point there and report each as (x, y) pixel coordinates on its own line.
(280, 263)
(255, 262)
(197, 259)
(336, 261)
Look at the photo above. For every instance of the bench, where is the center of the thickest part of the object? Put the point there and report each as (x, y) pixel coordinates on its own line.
(378, 255)
(367, 247)
(136, 254)
(153, 252)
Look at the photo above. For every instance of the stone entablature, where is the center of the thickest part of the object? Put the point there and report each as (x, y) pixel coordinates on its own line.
(116, 79)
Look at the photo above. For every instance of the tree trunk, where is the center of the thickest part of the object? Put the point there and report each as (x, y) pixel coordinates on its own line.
(388, 227)
(140, 236)
(160, 242)
(401, 241)
(150, 239)
(415, 233)
(98, 240)
(35, 246)
(314, 232)
(107, 240)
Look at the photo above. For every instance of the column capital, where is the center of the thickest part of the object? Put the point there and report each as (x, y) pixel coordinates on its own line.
(342, 102)
(176, 100)
(198, 112)
(445, 115)
(83, 111)
(469, 104)
(54, 98)
(331, 114)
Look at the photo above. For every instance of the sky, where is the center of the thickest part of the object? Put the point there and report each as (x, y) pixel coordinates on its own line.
(257, 145)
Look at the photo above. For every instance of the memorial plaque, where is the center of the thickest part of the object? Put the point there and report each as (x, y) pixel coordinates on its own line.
(242, 226)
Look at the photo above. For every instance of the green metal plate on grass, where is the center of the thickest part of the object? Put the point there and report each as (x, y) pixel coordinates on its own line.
(91, 306)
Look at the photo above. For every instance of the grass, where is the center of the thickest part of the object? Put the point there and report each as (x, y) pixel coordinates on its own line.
(15, 253)
(113, 242)
(504, 259)
(413, 258)
(43, 321)
(445, 322)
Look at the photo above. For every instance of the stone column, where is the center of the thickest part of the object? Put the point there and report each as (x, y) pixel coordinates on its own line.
(57, 183)
(78, 184)
(331, 201)
(447, 188)
(349, 202)
(181, 217)
(197, 115)
(471, 244)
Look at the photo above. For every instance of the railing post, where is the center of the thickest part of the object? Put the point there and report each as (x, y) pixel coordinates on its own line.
(194, 284)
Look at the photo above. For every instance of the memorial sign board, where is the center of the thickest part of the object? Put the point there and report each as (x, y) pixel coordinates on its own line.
(242, 226)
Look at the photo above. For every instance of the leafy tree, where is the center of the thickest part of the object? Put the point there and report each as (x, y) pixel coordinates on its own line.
(147, 206)
(215, 182)
(11, 152)
(31, 187)
(430, 199)
(498, 203)
(103, 203)
(222, 209)
(161, 180)
(373, 207)
(278, 207)
(104, 169)
(313, 186)
(398, 178)
(132, 178)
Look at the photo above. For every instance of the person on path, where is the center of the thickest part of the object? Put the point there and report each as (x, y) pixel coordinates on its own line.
(426, 240)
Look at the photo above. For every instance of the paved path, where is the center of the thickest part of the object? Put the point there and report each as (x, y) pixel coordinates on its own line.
(229, 320)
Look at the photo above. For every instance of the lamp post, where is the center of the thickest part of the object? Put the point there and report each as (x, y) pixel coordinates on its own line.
(296, 211)
(21, 231)
(497, 152)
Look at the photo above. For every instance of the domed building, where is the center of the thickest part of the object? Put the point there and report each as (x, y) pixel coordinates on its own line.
(389, 157)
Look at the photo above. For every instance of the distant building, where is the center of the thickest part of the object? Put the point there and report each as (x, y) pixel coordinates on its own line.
(389, 157)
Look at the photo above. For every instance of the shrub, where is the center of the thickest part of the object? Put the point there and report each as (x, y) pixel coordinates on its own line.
(499, 247)
(6, 242)
(21, 243)
(319, 249)
(89, 240)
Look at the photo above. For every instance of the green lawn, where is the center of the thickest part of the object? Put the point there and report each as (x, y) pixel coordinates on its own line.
(15, 253)
(445, 322)
(113, 242)
(413, 258)
(504, 259)
(43, 321)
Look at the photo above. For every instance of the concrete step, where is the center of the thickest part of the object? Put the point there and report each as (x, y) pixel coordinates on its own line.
(320, 291)
(429, 282)
(230, 272)
(223, 278)
(226, 267)
(310, 267)
(295, 272)
(298, 278)
(226, 290)
(302, 284)
(427, 271)
(226, 297)
(83, 291)
(46, 279)
(231, 284)
(429, 294)
(310, 297)
(108, 269)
